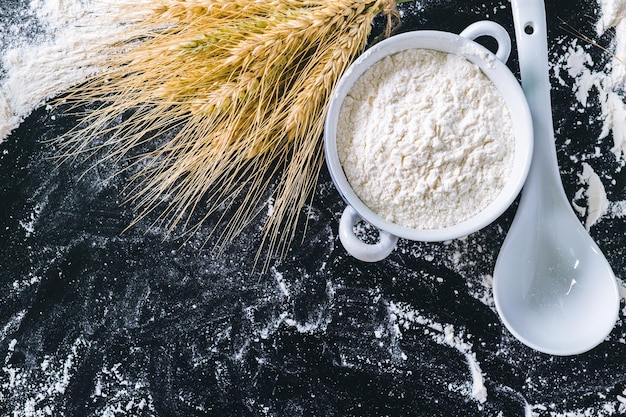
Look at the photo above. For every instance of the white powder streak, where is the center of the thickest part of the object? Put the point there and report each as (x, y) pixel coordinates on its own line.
(610, 84)
(479, 391)
(43, 389)
(122, 395)
(37, 71)
(444, 334)
(598, 204)
(12, 324)
(613, 107)
(613, 12)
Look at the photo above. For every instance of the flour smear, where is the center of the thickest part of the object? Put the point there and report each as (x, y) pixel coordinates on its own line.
(47, 48)
(609, 83)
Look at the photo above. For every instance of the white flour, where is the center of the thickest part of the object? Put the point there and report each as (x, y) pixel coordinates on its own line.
(574, 62)
(597, 202)
(40, 68)
(405, 317)
(425, 139)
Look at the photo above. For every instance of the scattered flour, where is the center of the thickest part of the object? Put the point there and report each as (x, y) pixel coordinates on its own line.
(609, 82)
(613, 106)
(425, 139)
(41, 68)
(405, 317)
(52, 379)
(39, 390)
(609, 85)
(597, 201)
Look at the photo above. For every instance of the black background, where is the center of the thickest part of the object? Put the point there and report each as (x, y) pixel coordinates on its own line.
(95, 322)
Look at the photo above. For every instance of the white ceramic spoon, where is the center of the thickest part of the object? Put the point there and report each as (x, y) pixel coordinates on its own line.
(553, 287)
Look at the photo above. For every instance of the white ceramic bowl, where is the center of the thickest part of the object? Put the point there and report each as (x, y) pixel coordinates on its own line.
(493, 65)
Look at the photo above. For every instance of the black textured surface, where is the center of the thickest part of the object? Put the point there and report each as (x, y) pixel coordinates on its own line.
(95, 322)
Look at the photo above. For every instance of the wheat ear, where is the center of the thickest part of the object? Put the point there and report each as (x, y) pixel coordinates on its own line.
(211, 100)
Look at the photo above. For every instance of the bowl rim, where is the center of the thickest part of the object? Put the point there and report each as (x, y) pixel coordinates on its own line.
(505, 82)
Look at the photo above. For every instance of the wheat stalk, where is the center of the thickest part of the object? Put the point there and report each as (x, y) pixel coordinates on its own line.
(238, 88)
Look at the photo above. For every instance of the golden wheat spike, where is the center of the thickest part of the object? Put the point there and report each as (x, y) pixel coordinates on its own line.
(227, 94)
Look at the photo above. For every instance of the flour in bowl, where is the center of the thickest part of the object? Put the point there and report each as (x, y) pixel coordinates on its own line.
(425, 139)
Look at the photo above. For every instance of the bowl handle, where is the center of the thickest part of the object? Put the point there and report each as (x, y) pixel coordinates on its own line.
(489, 28)
(356, 247)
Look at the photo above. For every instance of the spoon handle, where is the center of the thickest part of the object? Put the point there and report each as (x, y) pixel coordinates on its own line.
(529, 19)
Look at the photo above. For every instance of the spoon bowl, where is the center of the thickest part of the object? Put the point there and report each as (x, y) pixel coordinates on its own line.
(553, 288)
(566, 302)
